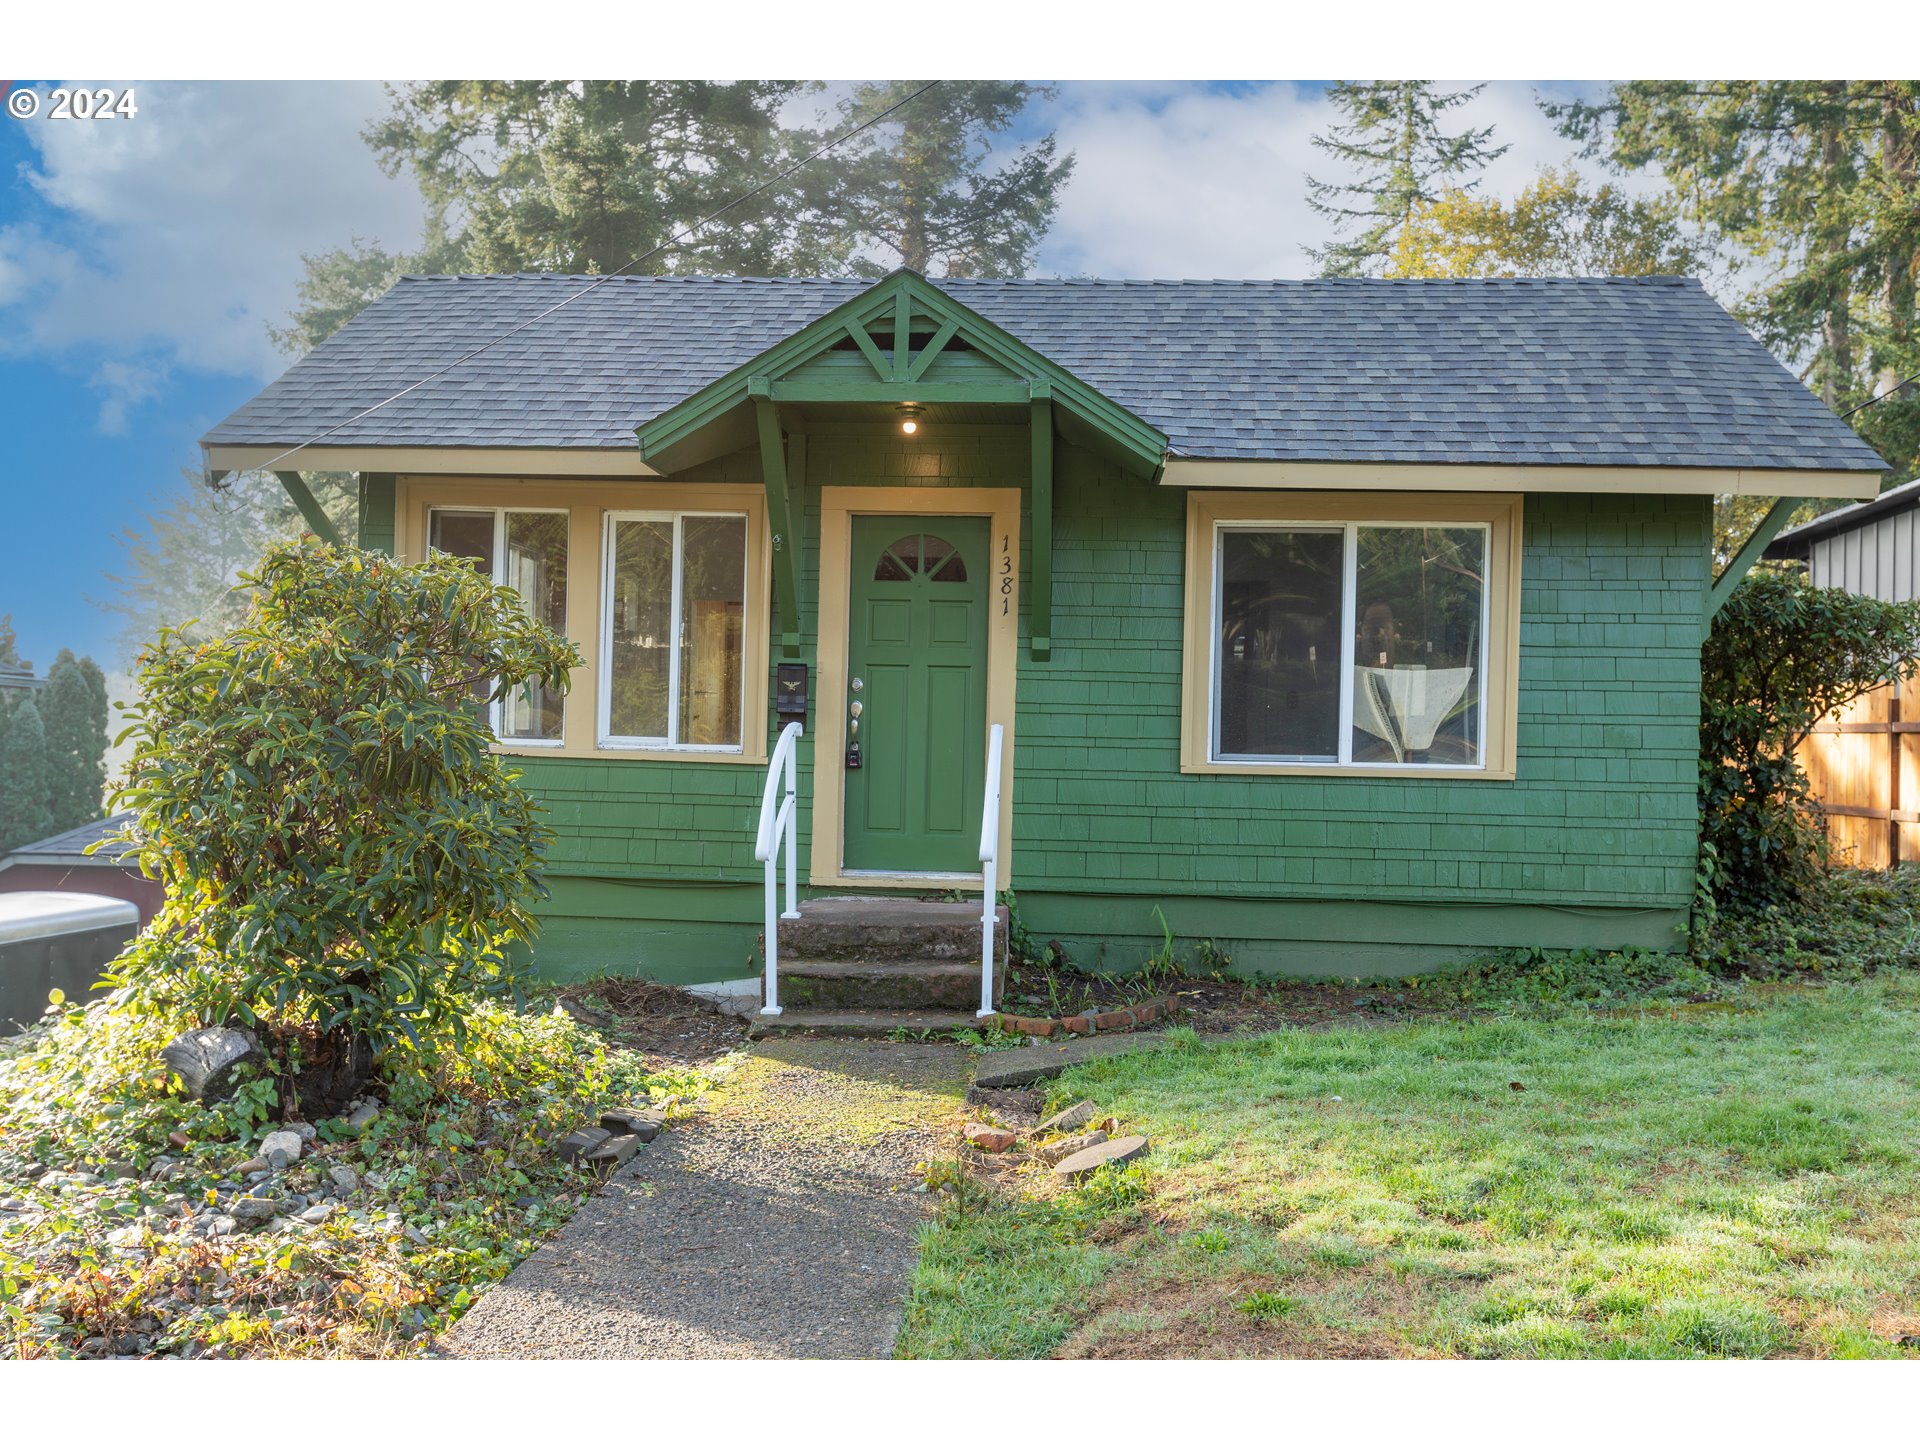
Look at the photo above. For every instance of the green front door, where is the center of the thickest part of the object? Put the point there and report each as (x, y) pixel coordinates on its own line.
(917, 668)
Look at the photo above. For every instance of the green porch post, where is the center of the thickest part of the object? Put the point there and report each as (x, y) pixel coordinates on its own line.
(1040, 605)
(1771, 524)
(302, 497)
(773, 468)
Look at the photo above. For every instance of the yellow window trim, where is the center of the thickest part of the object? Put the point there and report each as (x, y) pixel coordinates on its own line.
(838, 505)
(587, 506)
(1208, 508)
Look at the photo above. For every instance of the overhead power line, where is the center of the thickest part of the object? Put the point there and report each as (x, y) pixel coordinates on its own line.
(1883, 395)
(672, 240)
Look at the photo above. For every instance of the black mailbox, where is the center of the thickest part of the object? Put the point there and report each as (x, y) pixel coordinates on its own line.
(790, 691)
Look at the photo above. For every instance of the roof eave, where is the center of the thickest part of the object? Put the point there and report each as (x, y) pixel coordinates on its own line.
(613, 462)
(1190, 472)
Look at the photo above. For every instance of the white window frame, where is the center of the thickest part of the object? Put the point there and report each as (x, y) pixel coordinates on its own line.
(603, 722)
(1349, 530)
(495, 708)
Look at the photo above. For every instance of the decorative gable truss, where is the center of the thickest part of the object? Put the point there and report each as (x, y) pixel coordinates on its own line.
(902, 342)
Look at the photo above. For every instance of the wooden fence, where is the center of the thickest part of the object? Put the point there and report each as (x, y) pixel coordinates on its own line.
(1864, 762)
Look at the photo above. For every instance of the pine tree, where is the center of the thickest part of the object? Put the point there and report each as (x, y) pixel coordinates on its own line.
(75, 720)
(25, 779)
(587, 176)
(1392, 136)
(581, 177)
(922, 187)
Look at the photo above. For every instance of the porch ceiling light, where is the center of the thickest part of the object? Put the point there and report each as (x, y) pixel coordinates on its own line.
(909, 419)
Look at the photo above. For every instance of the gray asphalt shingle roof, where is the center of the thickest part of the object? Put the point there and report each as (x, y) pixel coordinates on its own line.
(1568, 371)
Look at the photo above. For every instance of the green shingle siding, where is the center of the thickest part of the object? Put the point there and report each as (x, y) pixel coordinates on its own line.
(1592, 844)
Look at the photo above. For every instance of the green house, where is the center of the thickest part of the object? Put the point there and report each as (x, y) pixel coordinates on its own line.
(1353, 625)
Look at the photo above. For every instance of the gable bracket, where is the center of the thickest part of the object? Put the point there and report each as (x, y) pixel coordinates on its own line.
(932, 351)
(302, 497)
(902, 333)
(1771, 524)
(872, 351)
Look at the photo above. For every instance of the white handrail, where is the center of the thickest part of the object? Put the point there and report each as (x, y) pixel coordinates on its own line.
(777, 826)
(989, 865)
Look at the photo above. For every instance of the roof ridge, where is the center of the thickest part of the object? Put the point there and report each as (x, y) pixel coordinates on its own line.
(1269, 282)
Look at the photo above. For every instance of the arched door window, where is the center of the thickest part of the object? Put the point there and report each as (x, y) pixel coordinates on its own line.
(926, 555)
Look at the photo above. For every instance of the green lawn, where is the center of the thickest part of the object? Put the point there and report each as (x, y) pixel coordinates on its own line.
(1728, 1179)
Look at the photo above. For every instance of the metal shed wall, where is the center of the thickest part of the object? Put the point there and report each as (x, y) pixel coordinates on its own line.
(1877, 559)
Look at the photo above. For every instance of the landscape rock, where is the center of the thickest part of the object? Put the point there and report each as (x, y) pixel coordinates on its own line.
(1107, 1152)
(644, 1124)
(614, 1150)
(363, 1114)
(1071, 1118)
(989, 1137)
(345, 1178)
(222, 1225)
(205, 1060)
(303, 1130)
(317, 1214)
(253, 1166)
(281, 1148)
(575, 1147)
(253, 1207)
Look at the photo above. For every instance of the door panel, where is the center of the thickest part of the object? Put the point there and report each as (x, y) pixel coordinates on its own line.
(918, 644)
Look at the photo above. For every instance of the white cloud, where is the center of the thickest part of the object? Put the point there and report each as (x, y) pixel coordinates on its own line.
(1186, 182)
(125, 384)
(176, 237)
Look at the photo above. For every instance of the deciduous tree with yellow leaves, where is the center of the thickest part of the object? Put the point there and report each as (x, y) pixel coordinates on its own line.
(1556, 226)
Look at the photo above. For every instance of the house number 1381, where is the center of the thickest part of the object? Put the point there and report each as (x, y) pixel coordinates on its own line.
(1006, 576)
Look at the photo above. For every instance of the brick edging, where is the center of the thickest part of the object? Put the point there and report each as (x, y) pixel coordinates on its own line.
(1128, 1017)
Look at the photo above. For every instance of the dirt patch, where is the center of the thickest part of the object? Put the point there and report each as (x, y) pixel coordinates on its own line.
(1188, 1320)
(1360, 1313)
(1223, 1007)
(661, 1022)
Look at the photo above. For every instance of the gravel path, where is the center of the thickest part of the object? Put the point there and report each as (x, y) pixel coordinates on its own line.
(778, 1223)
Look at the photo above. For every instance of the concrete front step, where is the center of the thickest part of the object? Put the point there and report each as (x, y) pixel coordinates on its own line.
(868, 1023)
(860, 953)
(879, 985)
(859, 927)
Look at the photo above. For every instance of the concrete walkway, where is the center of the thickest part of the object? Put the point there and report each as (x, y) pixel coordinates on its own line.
(778, 1223)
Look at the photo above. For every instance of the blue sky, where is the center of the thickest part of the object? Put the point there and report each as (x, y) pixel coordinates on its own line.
(142, 260)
